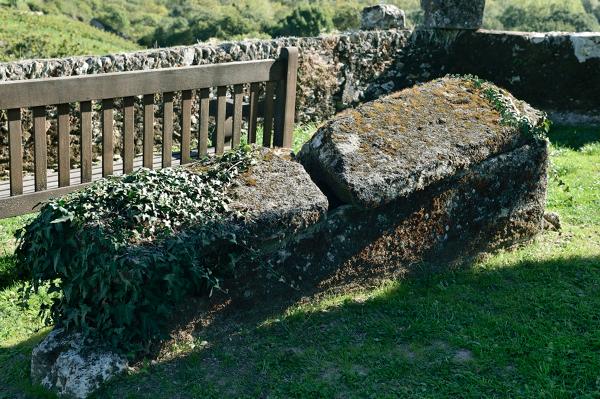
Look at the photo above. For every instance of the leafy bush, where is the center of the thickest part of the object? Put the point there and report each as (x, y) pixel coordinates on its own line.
(346, 17)
(191, 29)
(125, 250)
(304, 21)
(115, 20)
(548, 18)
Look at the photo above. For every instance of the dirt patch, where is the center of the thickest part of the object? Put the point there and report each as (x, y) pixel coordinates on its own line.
(463, 356)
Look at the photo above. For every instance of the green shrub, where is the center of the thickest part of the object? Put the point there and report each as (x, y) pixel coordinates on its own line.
(346, 17)
(115, 20)
(124, 251)
(552, 18)
(304, 21)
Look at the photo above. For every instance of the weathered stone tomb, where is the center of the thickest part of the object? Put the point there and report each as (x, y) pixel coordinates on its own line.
(430, 176)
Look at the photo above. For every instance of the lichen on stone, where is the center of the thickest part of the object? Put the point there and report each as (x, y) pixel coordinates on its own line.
(393, 146)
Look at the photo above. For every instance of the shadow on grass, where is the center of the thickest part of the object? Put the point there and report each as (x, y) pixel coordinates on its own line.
(527, 330)
(14, 370)
(573, 137)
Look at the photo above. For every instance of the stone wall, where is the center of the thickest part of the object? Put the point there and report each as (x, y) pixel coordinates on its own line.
(333, 68)
(550, 70)
(555, 71)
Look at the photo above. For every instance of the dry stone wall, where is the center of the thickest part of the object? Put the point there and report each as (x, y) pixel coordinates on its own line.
(333, 68)
(550, 70)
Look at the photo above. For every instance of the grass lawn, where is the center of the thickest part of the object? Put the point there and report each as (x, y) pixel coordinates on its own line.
(524, 323)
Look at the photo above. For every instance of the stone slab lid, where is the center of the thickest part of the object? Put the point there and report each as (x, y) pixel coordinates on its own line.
(277, 197)
(389, 148)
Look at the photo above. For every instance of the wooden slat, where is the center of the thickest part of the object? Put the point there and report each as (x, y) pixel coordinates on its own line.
(186, 125)
(64, 160)
(286, 100)
(204, 116)
(15, 144)
(40, 151)
(128, 134)
(238, 102)
(31, 93)
(148, 130)
(85, 108)
(268, 117)
(38, 93)
(167, 142)
(253, 116)
(107, 137)
(221, 110)
(27, 203)
(29, 183)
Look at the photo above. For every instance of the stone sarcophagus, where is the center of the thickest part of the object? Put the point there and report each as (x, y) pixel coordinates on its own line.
(424, 178)
(429, 175)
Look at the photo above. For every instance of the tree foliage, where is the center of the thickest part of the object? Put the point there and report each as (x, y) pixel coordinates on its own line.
(554, 17)
(114, 19)
(305, 20)
(177, 22)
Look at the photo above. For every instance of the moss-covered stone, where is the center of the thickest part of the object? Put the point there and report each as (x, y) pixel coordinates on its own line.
(494, 204)
(392, 147)
(276, 197)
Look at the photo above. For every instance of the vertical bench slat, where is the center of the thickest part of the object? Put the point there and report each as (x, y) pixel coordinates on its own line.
(221, 110)
(203, 128)
(238, 102)
(15, 145)
(40, 152)
(253, 117)
(128, 134)
(186, 125)
(268, 117)
(167, 144)
(64, 158)
(107, 137)
(85, 109)
(278, 75)
(148, 131)
(286, 99)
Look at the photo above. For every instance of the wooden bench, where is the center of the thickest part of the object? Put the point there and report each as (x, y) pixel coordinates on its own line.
(24, 193)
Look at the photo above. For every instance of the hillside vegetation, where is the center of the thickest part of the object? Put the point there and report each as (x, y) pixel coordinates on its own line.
(150, 23)
(28, 35)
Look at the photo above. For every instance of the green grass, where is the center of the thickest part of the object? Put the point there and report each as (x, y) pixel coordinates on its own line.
(27, 35)
(522, 323)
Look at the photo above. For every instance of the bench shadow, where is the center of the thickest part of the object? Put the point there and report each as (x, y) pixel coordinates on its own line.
(248, 349)
(573, 137)
(14, 370)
